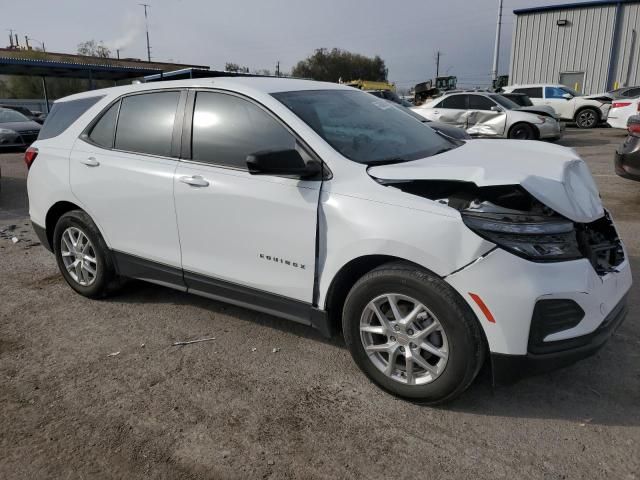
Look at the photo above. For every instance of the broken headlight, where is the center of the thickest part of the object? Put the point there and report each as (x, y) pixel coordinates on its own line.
(535, 237)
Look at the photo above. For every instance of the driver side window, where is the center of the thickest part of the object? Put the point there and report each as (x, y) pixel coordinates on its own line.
(227, 128)
(554, 92)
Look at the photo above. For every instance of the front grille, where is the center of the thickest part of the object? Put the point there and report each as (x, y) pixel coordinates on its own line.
(599, 243)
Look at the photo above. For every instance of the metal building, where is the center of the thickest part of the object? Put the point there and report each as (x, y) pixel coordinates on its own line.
(589, 46)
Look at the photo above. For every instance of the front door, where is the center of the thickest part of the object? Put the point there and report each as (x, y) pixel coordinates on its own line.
(485, 118)
(123, 176)
(241, 231)
(555, 97)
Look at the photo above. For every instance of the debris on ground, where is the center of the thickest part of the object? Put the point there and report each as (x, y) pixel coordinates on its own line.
(142, 345)
(15, 239)
(189, 342)
(254, 349)
(114, 354)
(275, 350)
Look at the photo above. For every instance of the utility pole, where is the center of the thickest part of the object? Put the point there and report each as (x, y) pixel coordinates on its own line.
(438, 55)
(146, 23)
(278, 68)
(26, 41)
(496, 51)
(10, 37)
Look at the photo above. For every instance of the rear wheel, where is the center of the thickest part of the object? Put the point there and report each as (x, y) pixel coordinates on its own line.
(522, 131)
(82, 255)
(587, 118)
(412, 334)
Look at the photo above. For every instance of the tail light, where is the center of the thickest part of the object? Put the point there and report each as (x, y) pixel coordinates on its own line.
(620, 104)
(30, 155)
(634, 129)
(638, 109)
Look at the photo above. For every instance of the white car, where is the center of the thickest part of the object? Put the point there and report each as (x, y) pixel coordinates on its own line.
(324, 205)
(621, 110)
(585, 111)
(483, 114)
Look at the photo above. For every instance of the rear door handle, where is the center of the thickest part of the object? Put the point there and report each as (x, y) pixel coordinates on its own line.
(195, 181)
(90, 162)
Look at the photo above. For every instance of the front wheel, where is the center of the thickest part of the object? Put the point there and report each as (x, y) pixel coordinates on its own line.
(522, 131)
(587, 118)
(412, 334)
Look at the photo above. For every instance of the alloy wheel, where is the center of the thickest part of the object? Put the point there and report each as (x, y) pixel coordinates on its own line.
(404, 339)
(587, 119)
(78, 256)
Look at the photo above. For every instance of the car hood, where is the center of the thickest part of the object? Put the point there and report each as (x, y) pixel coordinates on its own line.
(21, 126)
(554, 175)
(600, 97)
(545, 110)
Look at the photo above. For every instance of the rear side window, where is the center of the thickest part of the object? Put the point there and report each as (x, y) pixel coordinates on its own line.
(458, 102)
(226, 129)
(63, 114)
(145, 123)
(533, 92)
(103, 131)
(634, 92)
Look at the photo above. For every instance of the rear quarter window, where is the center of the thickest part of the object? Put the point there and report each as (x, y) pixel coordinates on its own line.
(64, 114)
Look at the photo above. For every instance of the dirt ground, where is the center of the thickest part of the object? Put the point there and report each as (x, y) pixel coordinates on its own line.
(232, 408)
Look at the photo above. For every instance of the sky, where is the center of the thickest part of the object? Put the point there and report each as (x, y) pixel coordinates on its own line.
(258, 33)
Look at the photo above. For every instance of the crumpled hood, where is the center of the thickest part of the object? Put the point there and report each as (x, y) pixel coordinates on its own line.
(554, 175)
(539, 109)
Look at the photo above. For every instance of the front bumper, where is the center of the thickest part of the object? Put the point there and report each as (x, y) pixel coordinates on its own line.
(510, 368)
(550, 129)
(511, 286)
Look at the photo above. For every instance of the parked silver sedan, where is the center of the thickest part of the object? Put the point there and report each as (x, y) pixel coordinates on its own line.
(484, 114)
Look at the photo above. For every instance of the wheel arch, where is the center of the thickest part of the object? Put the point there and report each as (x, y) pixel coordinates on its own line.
(53, 215)
(345, 279)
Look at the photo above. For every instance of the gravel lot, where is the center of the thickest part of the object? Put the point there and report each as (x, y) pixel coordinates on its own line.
(232, 408)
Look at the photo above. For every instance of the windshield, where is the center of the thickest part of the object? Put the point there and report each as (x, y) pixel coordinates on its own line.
(364, 128)
(8, 116)
(504, 101)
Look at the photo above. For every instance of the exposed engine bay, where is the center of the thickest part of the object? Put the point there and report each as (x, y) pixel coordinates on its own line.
(513, 219)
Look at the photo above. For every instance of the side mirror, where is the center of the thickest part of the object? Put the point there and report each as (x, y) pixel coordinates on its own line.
(496, 108)
(282, 162)
(567, 96)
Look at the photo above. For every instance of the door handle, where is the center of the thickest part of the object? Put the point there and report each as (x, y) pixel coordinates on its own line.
(195, 181)
(90, 162)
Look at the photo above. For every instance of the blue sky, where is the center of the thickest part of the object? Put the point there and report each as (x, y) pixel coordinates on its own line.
(257, 33)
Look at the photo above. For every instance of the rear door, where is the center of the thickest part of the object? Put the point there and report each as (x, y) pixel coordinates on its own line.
(453, 110)
(122, 173)
(243, 236)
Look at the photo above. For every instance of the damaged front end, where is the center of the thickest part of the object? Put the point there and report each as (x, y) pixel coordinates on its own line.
(514, 220)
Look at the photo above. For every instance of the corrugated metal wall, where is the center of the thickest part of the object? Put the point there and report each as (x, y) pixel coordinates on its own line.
(627, 60)
(541, 49)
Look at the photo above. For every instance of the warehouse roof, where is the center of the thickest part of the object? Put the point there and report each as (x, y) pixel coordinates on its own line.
(568, 6)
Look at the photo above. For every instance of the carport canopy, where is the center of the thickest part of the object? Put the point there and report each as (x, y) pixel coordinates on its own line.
(61, 69)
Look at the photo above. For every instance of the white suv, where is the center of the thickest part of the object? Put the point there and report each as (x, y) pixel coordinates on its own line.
(327, 206)
(585, 111)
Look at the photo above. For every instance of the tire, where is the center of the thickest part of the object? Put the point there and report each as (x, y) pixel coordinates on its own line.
(522, 131)
(105, 280)
(587, 118)
(460, 337)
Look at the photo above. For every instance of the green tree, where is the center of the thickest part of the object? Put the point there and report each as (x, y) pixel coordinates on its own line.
(92, 48)
(235, 68)
(332, 65)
